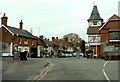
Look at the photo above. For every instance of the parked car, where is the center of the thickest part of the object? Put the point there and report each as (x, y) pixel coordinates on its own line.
(74, 54)
(62, 55)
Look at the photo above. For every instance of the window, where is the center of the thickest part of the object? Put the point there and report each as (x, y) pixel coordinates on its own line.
(26, 41)
(114, 36)
(20, 40)
(117, 49)
(5, 47)
(32, 42)
(95, 22)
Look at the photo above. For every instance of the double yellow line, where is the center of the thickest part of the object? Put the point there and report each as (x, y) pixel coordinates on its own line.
(44, 72)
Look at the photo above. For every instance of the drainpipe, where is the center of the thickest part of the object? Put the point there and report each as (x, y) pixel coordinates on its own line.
(11, 49)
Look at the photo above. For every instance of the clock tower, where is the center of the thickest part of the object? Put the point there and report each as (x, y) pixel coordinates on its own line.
(94, 24)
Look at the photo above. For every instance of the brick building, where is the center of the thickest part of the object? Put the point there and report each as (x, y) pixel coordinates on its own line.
(94, 22)
(16, 38)
(103, 36)
(110, 36)
(61, 45)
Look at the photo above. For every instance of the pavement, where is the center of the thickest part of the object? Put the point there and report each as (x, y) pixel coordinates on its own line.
(22, 70)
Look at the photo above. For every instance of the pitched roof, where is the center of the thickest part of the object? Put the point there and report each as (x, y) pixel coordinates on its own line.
(95, 14)
(114, 17)
(48, 42)
(41, 42)
(114, 21)
(20, 32)
(93, 30)
(60, 42)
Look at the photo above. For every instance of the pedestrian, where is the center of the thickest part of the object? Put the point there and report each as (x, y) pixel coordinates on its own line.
(16, 54)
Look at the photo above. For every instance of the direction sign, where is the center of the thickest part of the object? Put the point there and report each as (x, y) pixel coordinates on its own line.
(109, 49)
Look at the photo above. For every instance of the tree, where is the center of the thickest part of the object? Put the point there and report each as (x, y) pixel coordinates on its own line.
(75, 40)
(83, 47)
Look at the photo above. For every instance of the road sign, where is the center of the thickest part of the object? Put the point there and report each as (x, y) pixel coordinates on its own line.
(109, 49)
(104, 43)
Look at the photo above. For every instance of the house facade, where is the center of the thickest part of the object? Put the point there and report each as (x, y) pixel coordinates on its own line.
(110, 37)
(45, 46)
(61, 45)
(103, 37)
(16, 39)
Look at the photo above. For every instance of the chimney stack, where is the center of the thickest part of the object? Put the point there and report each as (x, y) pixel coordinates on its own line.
(56, 37)
(4, 20)
(41, 37)
(66, 39)
(21, 25)
(53, 38)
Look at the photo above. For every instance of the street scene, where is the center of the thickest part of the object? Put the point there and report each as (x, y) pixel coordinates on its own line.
(59, 40)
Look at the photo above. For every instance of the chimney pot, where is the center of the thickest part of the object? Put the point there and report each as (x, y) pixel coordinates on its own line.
(41, 37)
(4, 20)
(66, 39)
(53, 38)
(56, 37)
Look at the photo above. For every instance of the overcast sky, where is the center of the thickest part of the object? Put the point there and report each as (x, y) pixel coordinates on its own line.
(55, 18)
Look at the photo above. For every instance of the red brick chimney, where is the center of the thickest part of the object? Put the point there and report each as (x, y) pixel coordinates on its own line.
(41, 37)
(53, 38)
(21, 25)
(66, 39)
(56, 37)
(4, 20)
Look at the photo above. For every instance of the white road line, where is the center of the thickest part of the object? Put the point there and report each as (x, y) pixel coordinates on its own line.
(105, 63)
(105, 72)
(44, 72)
(106, 76)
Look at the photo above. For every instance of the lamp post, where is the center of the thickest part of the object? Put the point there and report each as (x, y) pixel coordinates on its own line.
(96, 45)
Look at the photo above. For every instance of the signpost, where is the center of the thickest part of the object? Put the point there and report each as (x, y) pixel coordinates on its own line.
(109, 49)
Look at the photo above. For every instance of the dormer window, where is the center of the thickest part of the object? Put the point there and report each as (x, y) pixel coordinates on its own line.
(20, 40)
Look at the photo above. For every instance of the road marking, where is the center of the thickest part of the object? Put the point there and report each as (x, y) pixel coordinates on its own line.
(106, 76)
(105, 72)
(105, 63)
(44, 72)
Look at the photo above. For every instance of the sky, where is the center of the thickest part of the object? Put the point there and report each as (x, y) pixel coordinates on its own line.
(55, 18)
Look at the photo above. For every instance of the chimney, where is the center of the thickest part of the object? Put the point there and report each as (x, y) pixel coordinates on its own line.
(45, 38)
(4, 20)
(41, 37)
(53, 38)
(56, 37)
(66, 39)
(21, 25)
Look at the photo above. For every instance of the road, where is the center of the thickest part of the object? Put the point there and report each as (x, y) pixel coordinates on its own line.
(60, 69)
(80, 69)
